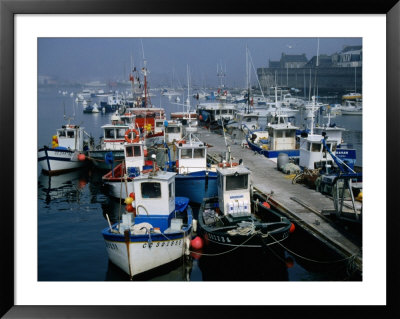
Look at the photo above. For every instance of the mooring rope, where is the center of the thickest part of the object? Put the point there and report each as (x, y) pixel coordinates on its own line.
(313, 260)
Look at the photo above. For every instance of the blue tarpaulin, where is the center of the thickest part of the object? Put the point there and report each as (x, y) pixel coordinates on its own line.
(181, 203)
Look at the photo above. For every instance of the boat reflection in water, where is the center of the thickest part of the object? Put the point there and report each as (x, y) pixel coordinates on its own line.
(67, 186)
(179, 270)
(242, 265)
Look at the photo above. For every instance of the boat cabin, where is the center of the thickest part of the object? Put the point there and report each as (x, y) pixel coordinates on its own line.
(234, 190)
(159, 125)
(134, 158)
(71, 137)
(114, 134)
(191, 156)
(128, 119)
(215, 112)
(155, 194)
(313, 153)
(334, 132)
(282, 137)
(251, 120)
(173, 131)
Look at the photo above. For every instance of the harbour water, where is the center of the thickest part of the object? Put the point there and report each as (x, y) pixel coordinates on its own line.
(72, 208)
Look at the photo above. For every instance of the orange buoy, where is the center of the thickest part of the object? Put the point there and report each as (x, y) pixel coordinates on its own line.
(82, 183)
(265, 204)
(129, 208)
(196, 254)
(81, 157)
(289, 262)
(196, 243)
(292, 228)
(132, 195)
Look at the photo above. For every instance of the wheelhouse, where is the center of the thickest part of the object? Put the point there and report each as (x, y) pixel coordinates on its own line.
(234, 190)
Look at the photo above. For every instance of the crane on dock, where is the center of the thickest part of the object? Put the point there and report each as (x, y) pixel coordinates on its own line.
(341, 182)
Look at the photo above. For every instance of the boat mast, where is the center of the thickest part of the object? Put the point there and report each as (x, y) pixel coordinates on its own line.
(247, 81)
(144, 70)
(188, 86)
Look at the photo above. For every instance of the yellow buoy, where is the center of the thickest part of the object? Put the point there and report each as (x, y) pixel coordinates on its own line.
(128, 200)
(359, 197)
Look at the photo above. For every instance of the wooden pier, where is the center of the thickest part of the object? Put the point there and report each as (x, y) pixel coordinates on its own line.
(298, 202)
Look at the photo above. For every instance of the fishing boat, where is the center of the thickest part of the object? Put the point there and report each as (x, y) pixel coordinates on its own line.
(351, 108)
(67, 151)
(229, 220)
(216, 113)
(278, 137)
(155, 228)
(149, 119)
(195, 179)
(117, 182)
(186, 117)
(173, 131)
(313, 154)
(344, 151)
(352, 96)
(111, 146)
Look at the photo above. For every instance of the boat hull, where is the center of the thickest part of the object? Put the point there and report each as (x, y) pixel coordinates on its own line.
(269, 229)
(57, 161)
(98, 158)
(196, 186)
(271, 153)
(136, 254)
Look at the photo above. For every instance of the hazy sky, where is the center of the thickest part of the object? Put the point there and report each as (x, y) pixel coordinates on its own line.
(109, 59)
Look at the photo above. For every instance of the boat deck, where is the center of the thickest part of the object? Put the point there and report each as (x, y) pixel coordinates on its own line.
(297, 201)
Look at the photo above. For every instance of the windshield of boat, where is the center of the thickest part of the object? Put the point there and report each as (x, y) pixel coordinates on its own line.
(133, 151)
(235, 182)
(151, 190)
(173, 129)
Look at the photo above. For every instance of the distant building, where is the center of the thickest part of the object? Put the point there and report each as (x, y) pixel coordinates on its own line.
(338, 73)
(350, 56)
(293, 61)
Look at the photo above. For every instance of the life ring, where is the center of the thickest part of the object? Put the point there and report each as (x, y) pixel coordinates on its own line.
(129, 140)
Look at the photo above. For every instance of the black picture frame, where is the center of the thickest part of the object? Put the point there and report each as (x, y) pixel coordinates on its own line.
(8, 10)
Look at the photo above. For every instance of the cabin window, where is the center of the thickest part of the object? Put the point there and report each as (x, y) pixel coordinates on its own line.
(217, 112)
(109, 133)
(198, 153)
(279, 134)
(171, 190)
(315, 147)
(173, 129)
(290, 133)
(121, 132)
(224, 111)
(159, 124)
(236, 182)
(61, 133)
(220, 182)
(133, 151)
(70, 134)
(186, 153)
(151, 190)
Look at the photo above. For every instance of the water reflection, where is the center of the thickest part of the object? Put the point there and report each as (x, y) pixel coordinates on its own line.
(67, 186)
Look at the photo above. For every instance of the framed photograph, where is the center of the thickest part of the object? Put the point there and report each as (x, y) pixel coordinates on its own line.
(67, 66)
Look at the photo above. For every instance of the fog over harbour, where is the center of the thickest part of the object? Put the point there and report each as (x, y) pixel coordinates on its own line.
(109, 59)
